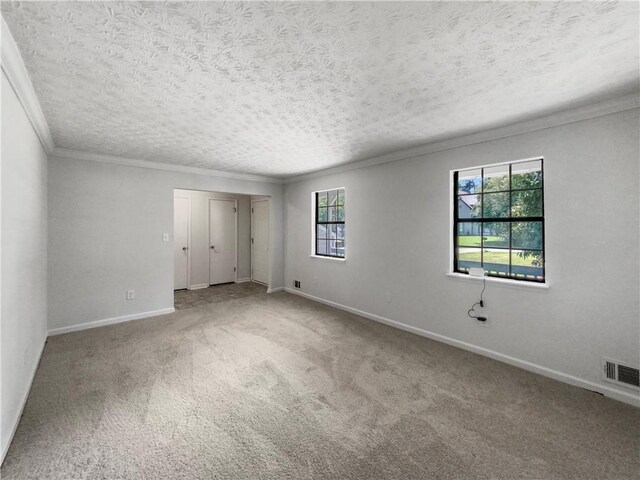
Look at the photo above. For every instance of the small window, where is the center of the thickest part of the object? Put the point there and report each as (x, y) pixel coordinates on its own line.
(329, 229)
(498, 220)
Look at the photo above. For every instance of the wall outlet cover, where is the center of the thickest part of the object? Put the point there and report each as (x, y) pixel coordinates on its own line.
(131, 294)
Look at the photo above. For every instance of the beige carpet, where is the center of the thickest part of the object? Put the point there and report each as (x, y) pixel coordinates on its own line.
(278, 387)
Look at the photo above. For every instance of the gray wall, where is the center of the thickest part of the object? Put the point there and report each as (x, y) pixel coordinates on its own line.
(106, 225)
(24, 258)
(200, 234)
(398, 250)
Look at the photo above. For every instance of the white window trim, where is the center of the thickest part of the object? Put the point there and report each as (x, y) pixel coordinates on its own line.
(313, 225)
(335, 259)
(506, 282)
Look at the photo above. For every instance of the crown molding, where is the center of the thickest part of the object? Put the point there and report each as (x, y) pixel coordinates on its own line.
(16, 72)
(170, 167)
(614, 105)
(618, 104)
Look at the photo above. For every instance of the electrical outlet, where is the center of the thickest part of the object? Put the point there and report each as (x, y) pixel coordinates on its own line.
(131, 294)
(296, 283)
(165, 237)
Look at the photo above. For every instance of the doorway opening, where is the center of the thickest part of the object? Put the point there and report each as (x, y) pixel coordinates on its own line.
(221, 246)
(260, 240)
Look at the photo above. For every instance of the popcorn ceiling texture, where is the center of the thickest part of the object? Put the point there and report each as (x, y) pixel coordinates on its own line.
(286, 88)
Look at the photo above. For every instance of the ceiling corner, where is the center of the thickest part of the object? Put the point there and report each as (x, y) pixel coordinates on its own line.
(16, 72)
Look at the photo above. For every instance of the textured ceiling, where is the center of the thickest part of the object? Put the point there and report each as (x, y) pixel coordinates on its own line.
(286, 88)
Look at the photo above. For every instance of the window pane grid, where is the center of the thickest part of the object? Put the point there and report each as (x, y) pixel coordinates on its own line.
(504, 191)
(511, 224)
(509, 248)
(490, 220)
(329, 216)
(480, 199)
(479, 240)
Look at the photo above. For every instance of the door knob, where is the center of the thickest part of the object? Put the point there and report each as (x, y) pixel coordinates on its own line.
(213, 247)
(184, 249)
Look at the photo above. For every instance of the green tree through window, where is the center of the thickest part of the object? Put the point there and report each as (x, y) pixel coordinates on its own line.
(499, 220)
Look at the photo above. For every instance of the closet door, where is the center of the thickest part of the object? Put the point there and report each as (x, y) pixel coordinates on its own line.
(260, 241)
(222, 241)
(181, 242)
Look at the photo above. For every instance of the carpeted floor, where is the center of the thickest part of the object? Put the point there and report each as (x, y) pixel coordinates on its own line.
(279, 387)
(183, 299)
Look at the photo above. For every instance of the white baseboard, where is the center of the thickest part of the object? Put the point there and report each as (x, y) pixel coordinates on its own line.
(16, 421)
(110, 321)
(274, 290)
(243, 280)
(626, 397)
(199, 286)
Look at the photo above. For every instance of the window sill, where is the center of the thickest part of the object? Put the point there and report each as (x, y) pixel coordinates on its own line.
(501, 281)
(335, 259)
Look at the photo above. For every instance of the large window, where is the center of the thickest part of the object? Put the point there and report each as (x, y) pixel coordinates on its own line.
(329, 223)
(498, 220)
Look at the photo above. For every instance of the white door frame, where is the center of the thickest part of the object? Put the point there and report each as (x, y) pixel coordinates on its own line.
(188, 241)
(268, 240)
(235, 206)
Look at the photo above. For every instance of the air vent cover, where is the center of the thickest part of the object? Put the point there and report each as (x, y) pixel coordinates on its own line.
(629, 375)
(624, 375)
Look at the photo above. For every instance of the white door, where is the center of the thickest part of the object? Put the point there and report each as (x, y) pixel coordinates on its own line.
(181, 242)
(222, 241)
(260, 241)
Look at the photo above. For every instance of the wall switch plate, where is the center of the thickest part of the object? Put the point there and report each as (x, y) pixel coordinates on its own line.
(165, 237)
(131, 294)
